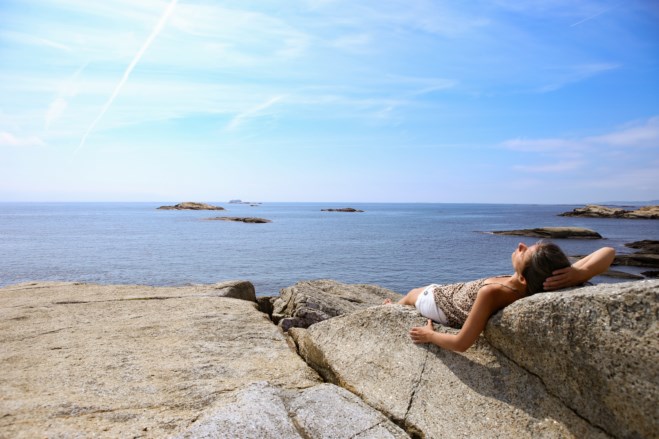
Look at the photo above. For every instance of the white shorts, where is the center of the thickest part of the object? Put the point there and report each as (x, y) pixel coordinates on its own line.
(428, 308)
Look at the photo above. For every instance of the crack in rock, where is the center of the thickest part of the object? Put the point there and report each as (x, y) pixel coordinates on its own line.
(414, 390)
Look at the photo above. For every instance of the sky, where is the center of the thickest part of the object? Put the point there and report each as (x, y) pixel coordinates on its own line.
(502, 101)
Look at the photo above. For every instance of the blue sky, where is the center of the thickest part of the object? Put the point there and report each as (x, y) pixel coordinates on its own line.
(319, 100)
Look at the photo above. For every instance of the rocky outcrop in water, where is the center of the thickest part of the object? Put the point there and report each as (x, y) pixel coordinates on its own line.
(645, 246)
(249, 220)
(344, 209)
(309, 302)
(647, 255)
(251, 203)
(553, 233)
(191, 206)
(597, 211)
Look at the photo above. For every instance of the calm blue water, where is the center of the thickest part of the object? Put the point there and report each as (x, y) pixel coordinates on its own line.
(398, 246)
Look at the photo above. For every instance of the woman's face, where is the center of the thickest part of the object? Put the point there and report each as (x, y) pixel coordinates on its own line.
(521, 256)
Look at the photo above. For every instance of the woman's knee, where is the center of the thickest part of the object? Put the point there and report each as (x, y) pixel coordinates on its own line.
(410, 298)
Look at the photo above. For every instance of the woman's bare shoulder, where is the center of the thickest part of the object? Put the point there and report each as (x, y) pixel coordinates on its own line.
(497, 279)
(498, 292)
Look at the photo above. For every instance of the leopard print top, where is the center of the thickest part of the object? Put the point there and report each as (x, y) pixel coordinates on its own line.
(456, 300)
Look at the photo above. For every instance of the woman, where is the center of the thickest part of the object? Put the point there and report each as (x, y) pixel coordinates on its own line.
(468, 306)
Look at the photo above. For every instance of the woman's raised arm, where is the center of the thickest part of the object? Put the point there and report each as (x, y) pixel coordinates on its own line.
(581, 271)
(488, 301)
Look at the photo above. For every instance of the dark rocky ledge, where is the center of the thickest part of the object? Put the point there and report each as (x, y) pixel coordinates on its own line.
(344, 209)
(645, 246)
(554, 233)
(191, 206)
(646, 256)
(637, 260)
(251, 220)
(596, 211)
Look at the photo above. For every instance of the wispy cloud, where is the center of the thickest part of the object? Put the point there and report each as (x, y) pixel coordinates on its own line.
(127, 72)
(541, 145)
(550, 167)
(237, 37)
(357, 42)
(252, 112)
(640, 135)
(23, 38)
(563, 77)
(644, 179)
(59, 104)
(9, 139)
(560, 155)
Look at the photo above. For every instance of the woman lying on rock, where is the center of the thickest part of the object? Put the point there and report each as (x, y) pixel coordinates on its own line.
(541, 267)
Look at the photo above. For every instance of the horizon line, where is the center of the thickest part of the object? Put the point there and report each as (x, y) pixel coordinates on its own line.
(617, 202)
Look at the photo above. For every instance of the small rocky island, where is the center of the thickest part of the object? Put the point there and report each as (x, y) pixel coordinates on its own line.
(251, 220)
(553, 233)
(251, 203)
(344, 209)
(191, 206)
(597, 211)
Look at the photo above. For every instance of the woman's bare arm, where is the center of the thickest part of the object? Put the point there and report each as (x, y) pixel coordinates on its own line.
(488, 301)
(581, 271)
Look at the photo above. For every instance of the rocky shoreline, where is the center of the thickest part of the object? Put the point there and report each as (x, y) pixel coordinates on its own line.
(208, 361)
(597, 211)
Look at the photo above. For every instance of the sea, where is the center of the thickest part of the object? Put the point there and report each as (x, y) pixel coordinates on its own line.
(397, 246)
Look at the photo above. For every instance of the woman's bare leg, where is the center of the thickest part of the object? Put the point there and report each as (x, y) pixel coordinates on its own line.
(409, 298)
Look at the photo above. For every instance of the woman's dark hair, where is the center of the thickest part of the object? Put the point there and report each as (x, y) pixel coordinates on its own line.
(546, 258)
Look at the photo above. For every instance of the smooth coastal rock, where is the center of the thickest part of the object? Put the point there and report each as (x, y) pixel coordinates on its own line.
(309, 302)
(344, 209)
(191, 206)
(432, 392)
(250, 220)
(81, 360)
(553, 233)
(597, 211)
(596, 348)
(263, 411)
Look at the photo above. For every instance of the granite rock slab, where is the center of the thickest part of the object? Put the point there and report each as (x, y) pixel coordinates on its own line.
(263, 411)
(596, 348)
(81, 360)
(433, 392)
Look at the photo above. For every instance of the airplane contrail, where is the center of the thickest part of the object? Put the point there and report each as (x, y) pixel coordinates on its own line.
(595, 15)
(131, 66)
